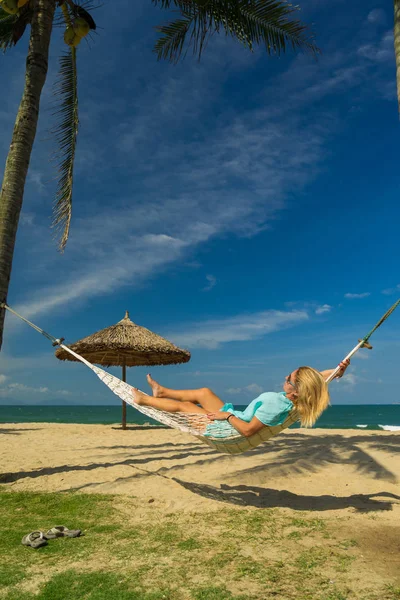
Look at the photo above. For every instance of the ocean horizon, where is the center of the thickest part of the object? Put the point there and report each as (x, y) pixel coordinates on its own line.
(383, 417)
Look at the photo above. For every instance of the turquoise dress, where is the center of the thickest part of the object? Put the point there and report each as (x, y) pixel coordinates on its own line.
(271, 408)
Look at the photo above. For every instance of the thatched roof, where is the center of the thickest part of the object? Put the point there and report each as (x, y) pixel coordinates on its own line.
(126, 343)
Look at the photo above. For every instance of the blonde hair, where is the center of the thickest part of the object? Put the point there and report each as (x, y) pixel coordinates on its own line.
(312, 395)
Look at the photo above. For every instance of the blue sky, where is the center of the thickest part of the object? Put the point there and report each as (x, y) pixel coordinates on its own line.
(244, 207)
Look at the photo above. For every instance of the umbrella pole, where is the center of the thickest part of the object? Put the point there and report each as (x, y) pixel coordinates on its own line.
(123, 403)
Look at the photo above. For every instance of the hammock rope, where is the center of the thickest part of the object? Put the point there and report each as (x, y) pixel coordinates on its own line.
(220, 435)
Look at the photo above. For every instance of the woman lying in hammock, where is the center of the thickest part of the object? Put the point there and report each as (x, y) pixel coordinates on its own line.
(304, 389)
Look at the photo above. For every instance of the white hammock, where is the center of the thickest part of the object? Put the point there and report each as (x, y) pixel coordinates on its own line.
(222, 436)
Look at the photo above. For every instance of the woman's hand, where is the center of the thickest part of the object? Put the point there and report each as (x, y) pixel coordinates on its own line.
(218, 416)
(343, 366)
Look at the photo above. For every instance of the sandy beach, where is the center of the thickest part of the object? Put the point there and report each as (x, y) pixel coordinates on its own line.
(319, 470)
(352, 476)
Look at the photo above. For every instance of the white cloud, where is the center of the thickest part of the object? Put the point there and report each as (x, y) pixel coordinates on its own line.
(2, 378)
(350, 379)
(211, 283)
(16, 388)
(318, 309)
(361, 355)
(356, 296)
(390, 291)
(26, 218)
(37, 179)
(151, 251)
(381, 52)
(305, 82)
(336, 73)
(325, 308)
(252, 388)
(23, 390)
(342, 78)
(211, 334)
(377, 16)
(389, 90)
(234, 391)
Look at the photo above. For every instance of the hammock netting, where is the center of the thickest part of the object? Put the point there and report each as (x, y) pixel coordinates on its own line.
(224, 437)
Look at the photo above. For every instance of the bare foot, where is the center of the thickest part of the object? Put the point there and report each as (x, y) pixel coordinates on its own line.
(156, 387)
(138, 396)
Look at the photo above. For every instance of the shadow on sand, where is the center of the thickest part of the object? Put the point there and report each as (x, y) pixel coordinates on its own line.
(285, 455)
(6, 431)
(245, 495)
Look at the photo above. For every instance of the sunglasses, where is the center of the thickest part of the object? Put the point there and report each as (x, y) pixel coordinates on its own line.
(290, 382)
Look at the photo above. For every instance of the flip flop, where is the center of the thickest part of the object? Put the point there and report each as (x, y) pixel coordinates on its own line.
(61, 531)
(35, 539)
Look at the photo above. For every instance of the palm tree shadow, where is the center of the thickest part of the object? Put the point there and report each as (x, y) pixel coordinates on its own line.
(14, 431)
(12, 477)
(244, 495)
(283, 456)
(299, 453)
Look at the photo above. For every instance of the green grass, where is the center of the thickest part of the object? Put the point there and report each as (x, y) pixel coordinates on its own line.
(189, 544)
(10, 575)
(392, 592)
(313, 524)
(216, 593)
(346, 544)
(130, 551)
(311, 558)
(93, 586)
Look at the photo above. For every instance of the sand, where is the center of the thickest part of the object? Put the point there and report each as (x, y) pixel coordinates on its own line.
(326, 473)
(319, 470)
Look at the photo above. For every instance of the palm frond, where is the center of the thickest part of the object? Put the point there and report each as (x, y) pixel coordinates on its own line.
(7, 24)
(270, 22)
(262, 22)
(66, 131)
(173, 35)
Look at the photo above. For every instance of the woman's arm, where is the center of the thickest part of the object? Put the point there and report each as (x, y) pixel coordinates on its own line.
(243, 427)
(343, 366)
(327, 373)
(246, 429)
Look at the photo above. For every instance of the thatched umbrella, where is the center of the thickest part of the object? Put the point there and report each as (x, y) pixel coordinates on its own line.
(128, 345)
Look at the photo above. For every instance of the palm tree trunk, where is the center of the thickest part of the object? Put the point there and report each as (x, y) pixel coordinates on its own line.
(397, 45)
(12, 191)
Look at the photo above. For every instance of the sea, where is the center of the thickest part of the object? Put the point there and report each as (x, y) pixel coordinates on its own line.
(372, 416)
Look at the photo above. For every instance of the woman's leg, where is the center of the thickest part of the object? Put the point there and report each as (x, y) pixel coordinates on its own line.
(166, 404)
(203, 396)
